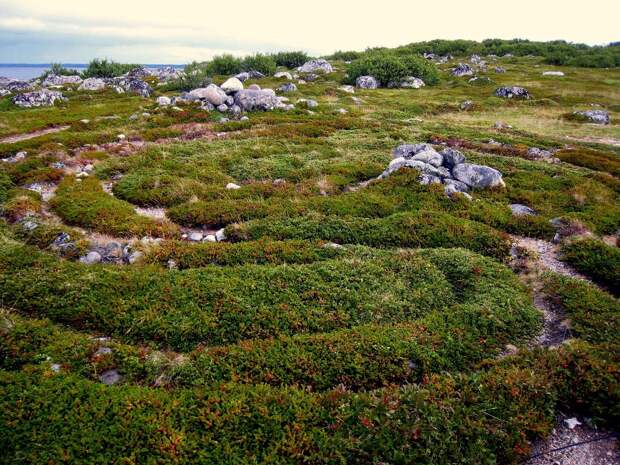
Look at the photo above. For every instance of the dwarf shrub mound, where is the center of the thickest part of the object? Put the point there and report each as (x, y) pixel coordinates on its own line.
(594, 314)
(593, 159)
(595, 259)
(106, 69)
(390, 68)
(428, 423)
(290, 59)
(259, 252)
(418, 229)
(215, 305)
(85, 203)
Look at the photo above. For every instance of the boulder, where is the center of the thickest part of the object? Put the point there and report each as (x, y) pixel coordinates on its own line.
(316, 66)
(477, 176)
(347, 89)
(166, 73)
(512, 92)
(429, 156)
(212, 94)
(456, 185)
(55, 80)
(452, 157)
(521, 210)
(135, 86)
(462, 69)
(409, 150)
(39, 98)
(288, 87)
(232, 85)
(283, 74)
(410, 82)
(163, 101)
(251, 100)
(243, 76)
(499, 69)
(91, 258)
(367, 82)
(92, 84)
(594, 116)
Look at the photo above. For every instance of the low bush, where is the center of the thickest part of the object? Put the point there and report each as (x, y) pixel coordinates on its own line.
(595, 259)
(345, 56)
(259, 252)
(593, 159)
(594, 314)
(391, 68)
(265, 64)
(224, 65)
(444, 420)
(419, 229)
(84, 203)
(290, 59)
(6, 184)
(194, 75)
(57, 69)
(106, 69)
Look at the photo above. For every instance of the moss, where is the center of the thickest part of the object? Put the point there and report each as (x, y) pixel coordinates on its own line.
(84, 203)
(593, 159)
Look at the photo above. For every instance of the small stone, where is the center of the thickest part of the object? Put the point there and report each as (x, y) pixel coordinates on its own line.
(195, 237)
(367, 82)
(232, 185)
(521, 210)
(220, 235)
(163, 101)
(572, 422)
(101, 351)
(283, 74)
(91, 258)
(210, 238)
(222, 108)
(347, 89)
(110, 377)
(121, 137)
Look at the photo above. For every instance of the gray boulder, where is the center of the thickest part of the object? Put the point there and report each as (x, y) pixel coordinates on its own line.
(409, 150)
(54, 80)
(252, 100)
(212, 94)
(243, 76)
(429, 156)
(521, 210)
(283, 74)
(462, 69)
(39, 98)
(456, 185)
(91, 258)
(288, 87)
(317, 66)
(92, 84)
(512, 92)
(594, 116)
(367, 82)
(477, 176)
(452, 157)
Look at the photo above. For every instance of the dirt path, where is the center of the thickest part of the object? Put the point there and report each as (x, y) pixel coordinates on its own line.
(31, 135)
(581, 445)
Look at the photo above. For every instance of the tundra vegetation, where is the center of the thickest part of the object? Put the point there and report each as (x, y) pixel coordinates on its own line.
(181, 285)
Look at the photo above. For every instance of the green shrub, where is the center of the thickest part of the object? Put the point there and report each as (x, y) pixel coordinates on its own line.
(290, 59)
(195, 75)
(58, 70)
(84, 203)
(228, 254)
(345, 56)
(6, 184)
(224, 65)
(595, 259)
(106, 69)
(447, 419)
(594, 159)
(262, 63)
(419, 229)
(594, 314)
(390, 68)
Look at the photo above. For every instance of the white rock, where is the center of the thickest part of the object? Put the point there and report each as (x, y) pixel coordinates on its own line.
(91, 258)
(232, 85)
(553, 73)
(195, 237)
(232, 185)
(572, 422)
(163, 101)
(220, 235)
(210, 238)
(283, 74)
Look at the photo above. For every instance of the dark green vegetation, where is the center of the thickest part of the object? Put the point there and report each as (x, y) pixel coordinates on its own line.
(106, 68)
(594, 258)
(337, 323)
(392, 68)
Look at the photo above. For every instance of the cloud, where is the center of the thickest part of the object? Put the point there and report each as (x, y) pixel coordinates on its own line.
(74, 30)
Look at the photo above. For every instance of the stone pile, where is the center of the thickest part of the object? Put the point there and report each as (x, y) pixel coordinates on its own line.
(594, 116)
(512, 92)
(39, 98)
(447, 167)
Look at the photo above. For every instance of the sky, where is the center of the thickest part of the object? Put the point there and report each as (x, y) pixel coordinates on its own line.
(179, 31)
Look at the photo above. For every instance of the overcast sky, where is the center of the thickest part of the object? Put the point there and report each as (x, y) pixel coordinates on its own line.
(178, 31)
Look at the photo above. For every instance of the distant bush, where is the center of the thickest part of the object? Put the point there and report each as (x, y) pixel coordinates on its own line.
(556, 52)
(106, 69)
(345, 56)
(195, 75)
(265, 64)
(58, 70)
(290, 59)
(224, 65)
(392, 68)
